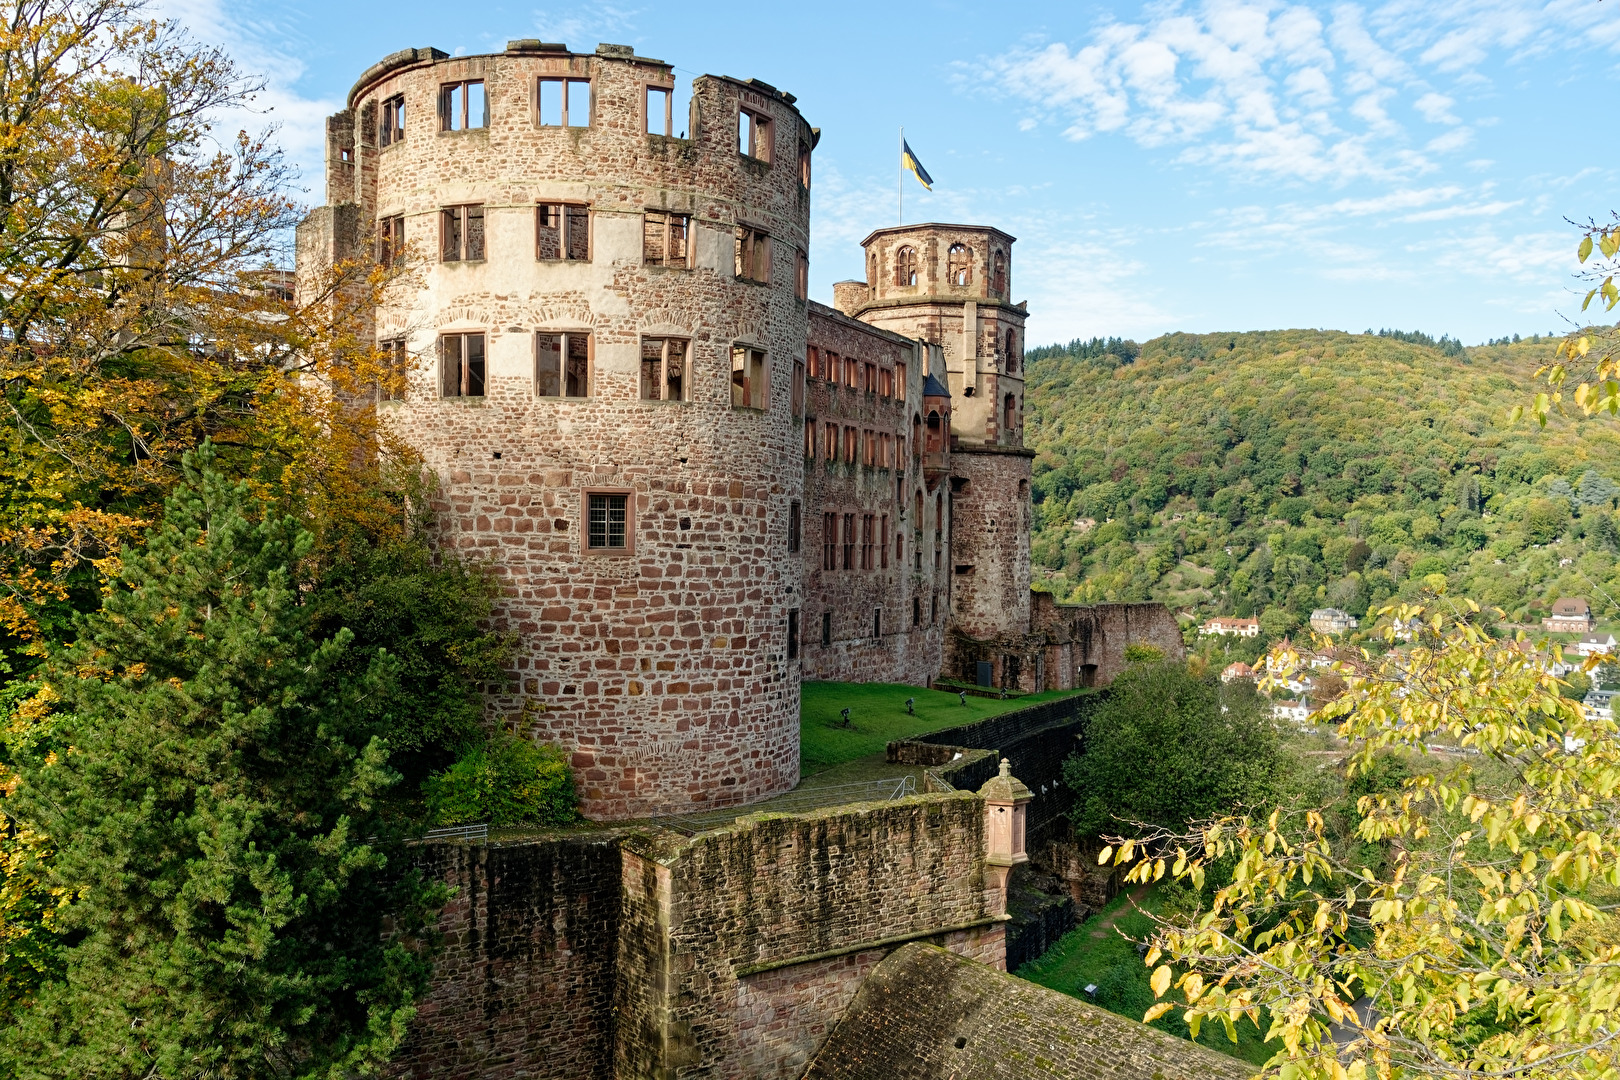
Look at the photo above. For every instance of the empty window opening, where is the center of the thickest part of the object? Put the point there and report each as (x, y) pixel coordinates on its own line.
(900, 380)
(463, 106)
(916, 611)
(663, 369)
(877, 622)
(660, 110)
(461, 233)
(886, 451)
(461, 365)
(883, 543)
(826, 628)
(810, 439)
(1009, 413)
(959, 265)
(849, 541)
(886, 382)
(868, 522)
(394, 363)
(869, 448)
(804, 166)
(1012, 352)
(665, 239)
(832, 368)
(562, 365)
(793, 635)
(998, 275)
(564, 102)
(563, 232)
(754, 134)
(934, 614)
(829, 544)
(905, 267)
(852, 373)
(748, 377)
(608, 522)
(391, 126)
(936, 433)
(798, 388)
(390, 240)
(831, 442)
(870, 381)
(851, 437)
(814, 356)
(794, 527)
(801, 276)
(753, 255)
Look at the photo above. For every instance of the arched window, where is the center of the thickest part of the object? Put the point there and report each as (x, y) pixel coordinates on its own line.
(871, 269)
(935, 433)
(959, 265)
(1012, 352)
(905, 266)
(1009, 413)
(998, 277)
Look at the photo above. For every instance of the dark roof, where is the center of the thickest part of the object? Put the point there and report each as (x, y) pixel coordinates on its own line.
(928, 1014)
(932, 387)
(1571, 605)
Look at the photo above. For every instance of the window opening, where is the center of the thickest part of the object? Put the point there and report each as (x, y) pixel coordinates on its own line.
(870, 383)
(935, 433)
(850, 437)
(748, 377)
(564, 102)
(793, 635)
(395, 363)
(663, 369)
(563, 232)
(1012, 352)
(916, 611)
(461, 231)
(832, 368)
(869, 448)
(794, 538)
(391, 128)
(463, 106)
(804, 166)
(608, 526)
(390, 239)
(852, 373)
(801, 276)
(905, 266)
(883, 543)
(867, 522)
(562, 365)
(959, 265)
(798, 388)
(660, 110)
(826, 628)
(877, 622)
(461, 365)
(849, 541)
(998, 279)
(664, 239)
(753, 255)
(754, 134)
(829, 543)
(1009, 412)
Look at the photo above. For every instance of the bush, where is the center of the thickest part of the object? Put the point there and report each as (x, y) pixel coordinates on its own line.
(505, 781)
(1143, 654)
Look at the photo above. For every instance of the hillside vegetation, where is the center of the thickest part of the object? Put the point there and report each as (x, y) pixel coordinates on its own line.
(1272, 473)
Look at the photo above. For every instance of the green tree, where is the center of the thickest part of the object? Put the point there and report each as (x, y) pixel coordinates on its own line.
(1276, 622)
(1545, 520)
(214, 777)
(1163, 750)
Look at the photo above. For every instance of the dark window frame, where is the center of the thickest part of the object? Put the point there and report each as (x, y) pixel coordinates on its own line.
(588, 520)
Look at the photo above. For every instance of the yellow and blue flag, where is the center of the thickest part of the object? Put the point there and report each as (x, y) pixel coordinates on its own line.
(909, 161)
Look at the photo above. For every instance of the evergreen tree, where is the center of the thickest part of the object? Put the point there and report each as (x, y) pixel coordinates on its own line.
(213, 779)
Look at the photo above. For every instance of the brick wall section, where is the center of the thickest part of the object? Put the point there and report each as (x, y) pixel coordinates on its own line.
(525, 985)
(745, 943)
(663, 669)
(919, 1003)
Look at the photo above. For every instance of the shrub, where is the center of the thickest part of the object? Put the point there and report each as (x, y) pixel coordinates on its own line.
(505, 781)
(1143, 654)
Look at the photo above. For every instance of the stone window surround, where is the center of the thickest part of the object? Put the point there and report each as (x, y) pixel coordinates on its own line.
(534, 100)
(761, 132)
(589, 334)
(585, 522)
(444, 105)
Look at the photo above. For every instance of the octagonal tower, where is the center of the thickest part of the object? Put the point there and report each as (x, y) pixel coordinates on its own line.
(600, 352)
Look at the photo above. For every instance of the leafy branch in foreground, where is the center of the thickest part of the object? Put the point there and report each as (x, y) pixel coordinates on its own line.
(1486, 947)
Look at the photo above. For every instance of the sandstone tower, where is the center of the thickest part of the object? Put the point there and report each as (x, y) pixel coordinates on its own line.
(951, 286)
(601, 361)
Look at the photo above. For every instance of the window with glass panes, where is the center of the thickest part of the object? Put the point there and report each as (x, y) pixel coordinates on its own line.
(607, 521)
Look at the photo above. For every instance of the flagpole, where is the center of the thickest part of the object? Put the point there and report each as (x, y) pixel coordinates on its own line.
(900, 188)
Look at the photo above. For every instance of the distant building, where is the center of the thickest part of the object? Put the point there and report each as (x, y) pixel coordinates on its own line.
(1291, 710)
(1592, 645)
(1224, 624)
(1570, 614)
(1600, 704)
(1237, 670)
(1332, 621)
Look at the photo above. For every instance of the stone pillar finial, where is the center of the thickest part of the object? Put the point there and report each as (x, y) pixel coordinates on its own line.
(1005, 801)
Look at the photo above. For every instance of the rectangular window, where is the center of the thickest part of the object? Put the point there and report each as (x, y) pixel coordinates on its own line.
(391, 127)
(829, 542)
(851, 436)
(564, 102)
(883, 542)
(665, 239)
(871, 384)
(794, 538)
(753, 255)
(801, 276)
(798, 388)
(562, 365)
(869, 448)
(463, 106)
(852, 373)
(607, 523)
(461, 233)
(563, 232)
(754, 134)
(793, 635)
(900, 380)
(663, 369)
(461, 365)
(660, 110)
(748, 377)
(804, 166)
(849, 541)
(390, 239)
(826, 628)
(886, 382)
(831, 367)
(394, 362)
(815, 363)
(831, 442)
(866, 541)
(877, 622)
(885, 451)
(810, 439)
(899, 547)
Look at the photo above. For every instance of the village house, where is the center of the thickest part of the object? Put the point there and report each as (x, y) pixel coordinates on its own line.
(1570, 614)
(1592, 645)
(1332, 621)
(1236, 670)
(1228, 624)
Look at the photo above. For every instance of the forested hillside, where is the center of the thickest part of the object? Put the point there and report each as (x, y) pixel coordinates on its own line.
(1273, 473)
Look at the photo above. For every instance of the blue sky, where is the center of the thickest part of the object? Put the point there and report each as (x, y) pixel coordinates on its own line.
(1198, 166)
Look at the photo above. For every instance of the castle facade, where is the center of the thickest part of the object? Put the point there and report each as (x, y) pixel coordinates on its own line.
(697, 486)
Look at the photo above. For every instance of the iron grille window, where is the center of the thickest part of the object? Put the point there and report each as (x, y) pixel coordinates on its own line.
(606, 529)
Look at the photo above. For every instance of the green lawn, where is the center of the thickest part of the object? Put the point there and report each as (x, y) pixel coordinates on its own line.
(877, 716)
(1110, 962)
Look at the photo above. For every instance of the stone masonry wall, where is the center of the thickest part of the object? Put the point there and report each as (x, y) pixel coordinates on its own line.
(990, 510)
(1085, 644)
(748, 941)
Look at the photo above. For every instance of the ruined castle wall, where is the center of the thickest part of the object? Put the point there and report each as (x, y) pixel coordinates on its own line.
(884, 623)
(1084, 645)
(990, 511)
(661, 666)
(764, 930)
(525, 984)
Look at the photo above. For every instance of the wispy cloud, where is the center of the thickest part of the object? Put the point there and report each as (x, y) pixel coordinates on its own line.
(575, 25)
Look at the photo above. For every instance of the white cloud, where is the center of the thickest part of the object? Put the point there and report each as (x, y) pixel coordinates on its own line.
(576, 26)
(1455, 139)
(1436, 108)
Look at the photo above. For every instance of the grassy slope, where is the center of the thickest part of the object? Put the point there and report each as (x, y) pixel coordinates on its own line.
(1095, 953)
(878, 715)
(1363, 429)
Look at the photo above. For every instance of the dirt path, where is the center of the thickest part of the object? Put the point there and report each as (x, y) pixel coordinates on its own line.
(1107, 924)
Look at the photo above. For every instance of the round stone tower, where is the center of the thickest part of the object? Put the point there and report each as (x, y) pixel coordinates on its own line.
(601, 347)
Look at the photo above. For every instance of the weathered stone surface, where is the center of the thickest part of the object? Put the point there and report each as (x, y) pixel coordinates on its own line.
(924, 1013)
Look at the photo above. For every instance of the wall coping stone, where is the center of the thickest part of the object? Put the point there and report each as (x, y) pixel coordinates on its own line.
(863, 946)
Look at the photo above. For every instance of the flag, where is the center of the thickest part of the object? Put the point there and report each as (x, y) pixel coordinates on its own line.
(909, 160)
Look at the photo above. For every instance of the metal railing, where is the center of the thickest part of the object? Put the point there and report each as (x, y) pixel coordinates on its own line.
(471, 833)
